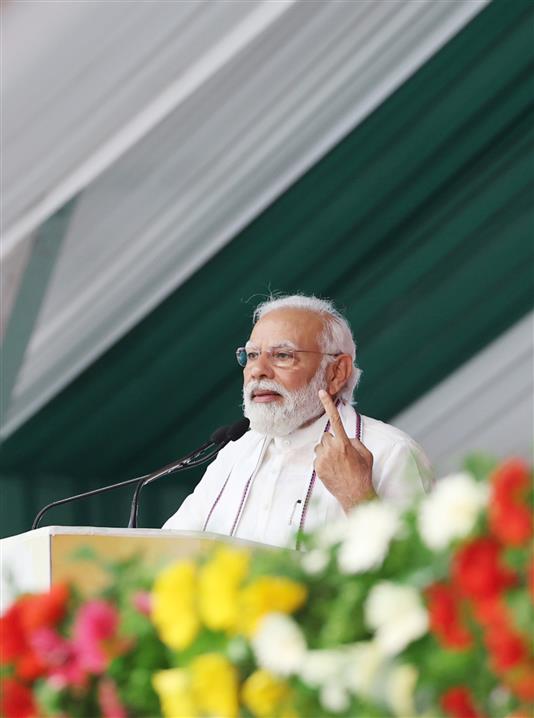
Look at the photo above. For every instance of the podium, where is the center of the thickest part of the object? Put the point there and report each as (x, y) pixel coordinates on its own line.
(33, 561)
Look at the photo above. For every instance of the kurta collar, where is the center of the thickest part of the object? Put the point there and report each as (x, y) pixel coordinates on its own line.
(301, 437)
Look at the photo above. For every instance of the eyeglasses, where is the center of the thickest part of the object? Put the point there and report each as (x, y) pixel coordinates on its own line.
(281, 357)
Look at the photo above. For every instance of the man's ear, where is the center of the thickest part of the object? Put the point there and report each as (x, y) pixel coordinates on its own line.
(339, 373)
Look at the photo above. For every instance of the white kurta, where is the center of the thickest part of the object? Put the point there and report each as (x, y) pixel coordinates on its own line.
(280, 470)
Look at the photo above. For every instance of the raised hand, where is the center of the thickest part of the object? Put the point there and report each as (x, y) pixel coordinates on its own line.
(344, 465)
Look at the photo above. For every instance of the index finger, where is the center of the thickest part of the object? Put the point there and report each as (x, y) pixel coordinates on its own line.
(333, 414)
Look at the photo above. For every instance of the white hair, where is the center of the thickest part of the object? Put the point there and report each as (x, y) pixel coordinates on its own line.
(335, 338)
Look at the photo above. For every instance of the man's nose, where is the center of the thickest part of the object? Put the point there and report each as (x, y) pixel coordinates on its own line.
(261, 368)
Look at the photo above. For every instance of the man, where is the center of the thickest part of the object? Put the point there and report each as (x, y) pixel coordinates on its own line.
(309, 456)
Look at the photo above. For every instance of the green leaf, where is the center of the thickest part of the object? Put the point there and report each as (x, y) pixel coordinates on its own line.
(480, 465)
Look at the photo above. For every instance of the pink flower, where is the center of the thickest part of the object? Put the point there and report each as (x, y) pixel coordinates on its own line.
(95, 627)
(63, 665)
(109, 700)
(142, 602)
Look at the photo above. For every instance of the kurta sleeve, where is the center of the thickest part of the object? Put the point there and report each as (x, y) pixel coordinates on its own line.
(404, 473)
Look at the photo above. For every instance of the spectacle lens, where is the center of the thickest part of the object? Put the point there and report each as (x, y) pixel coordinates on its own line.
(241, 356)
(282, 358)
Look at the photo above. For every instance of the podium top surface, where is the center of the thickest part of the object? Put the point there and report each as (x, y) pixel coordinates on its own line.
(131, 533)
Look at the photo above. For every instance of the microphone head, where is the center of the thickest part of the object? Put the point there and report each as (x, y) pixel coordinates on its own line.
(219, 435)
(236, 431)
(231, 432)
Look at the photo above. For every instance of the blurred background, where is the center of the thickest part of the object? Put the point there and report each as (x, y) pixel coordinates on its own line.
(168, 164)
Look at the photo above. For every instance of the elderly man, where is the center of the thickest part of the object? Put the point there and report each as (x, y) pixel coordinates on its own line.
(309, 457)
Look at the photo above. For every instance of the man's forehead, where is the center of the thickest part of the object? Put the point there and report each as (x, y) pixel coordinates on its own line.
(287, 327)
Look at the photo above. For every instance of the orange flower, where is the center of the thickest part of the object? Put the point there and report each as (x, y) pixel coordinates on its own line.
(521, 681)
(44, 610)
(491, 612)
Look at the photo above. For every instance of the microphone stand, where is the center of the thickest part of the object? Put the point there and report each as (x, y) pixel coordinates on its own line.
(168, 469)
(189, 462)
(219, 438)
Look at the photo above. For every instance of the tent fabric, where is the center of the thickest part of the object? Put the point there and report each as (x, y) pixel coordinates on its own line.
(191, 118)
(417, 225)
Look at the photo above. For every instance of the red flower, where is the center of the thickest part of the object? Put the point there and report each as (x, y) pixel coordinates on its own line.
(510, 479)
(445, 622)
(16, 700)
(13, 642)
(30, 666)
(509, 515)
(457, 702)
(478, 572)
(19, 623)
(14, 645)
(506, 647)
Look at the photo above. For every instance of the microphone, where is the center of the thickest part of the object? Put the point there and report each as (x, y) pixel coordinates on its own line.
(220, 436)
(236, 430)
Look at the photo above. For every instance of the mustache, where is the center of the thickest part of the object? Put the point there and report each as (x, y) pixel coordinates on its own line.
(265, 385)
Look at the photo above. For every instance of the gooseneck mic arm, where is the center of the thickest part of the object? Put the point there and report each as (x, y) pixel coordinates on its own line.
(218, 437)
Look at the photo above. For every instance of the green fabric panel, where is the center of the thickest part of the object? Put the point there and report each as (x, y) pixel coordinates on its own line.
(417, 224)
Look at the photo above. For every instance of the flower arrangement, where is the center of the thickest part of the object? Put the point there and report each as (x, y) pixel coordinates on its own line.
(423, 613)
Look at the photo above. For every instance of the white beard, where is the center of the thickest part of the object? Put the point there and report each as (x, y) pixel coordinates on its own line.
(280, 419)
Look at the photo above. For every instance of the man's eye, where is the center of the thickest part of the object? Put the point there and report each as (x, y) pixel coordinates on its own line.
(252, 356)
(282, 356)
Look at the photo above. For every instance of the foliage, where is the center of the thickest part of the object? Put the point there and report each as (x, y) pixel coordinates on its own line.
(426, 613)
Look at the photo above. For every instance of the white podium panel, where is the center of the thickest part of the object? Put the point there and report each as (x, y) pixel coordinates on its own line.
(32, 561)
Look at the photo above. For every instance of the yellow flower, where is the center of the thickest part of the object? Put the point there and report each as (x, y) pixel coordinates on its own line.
(268, 594)
(219, 582)
(214, 683)
(174, 610)
(263, 694)
(173, 687)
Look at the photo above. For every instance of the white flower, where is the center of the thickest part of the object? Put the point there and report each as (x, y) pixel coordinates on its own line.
(397, 615)
(370, 528)
(323, 669)
(357, 668)
(331, 534)
(400, 689)
(315, 561)
(363, 668)
(278, 644)
(334, 697)
(321, 666)
(451, 510)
